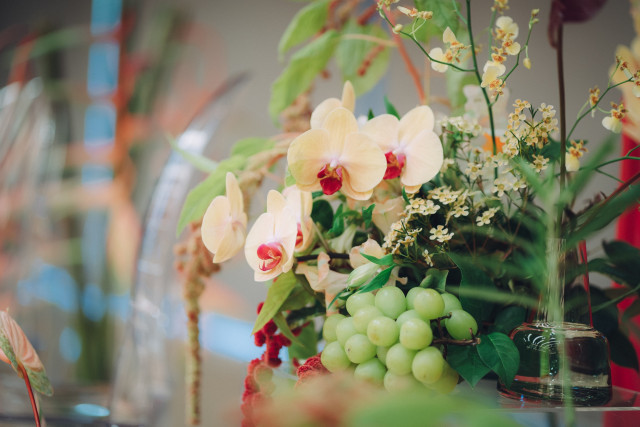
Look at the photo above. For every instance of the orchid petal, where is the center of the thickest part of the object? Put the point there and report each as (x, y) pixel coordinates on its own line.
(234, 194)
(339, 123)
(321, 112)
(383, 130)
(215, 222)
(364, 162)
(424, 158)
(415, 121)
(307, 155)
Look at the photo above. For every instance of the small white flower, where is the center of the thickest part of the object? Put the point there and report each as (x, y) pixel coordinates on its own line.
(612, 123)
(440, 234)
(437, 54)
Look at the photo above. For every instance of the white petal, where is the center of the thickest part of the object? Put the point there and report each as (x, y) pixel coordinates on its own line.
(424, 159)
(322, 111)
(307, 155)
(364, 163)
(415, 121)
(383, 130)
(348, 96)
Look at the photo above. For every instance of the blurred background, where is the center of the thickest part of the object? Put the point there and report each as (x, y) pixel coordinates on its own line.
(92, 92)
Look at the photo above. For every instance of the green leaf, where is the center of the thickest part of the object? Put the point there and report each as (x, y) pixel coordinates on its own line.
(307, 22)
(625, 257)
(367, 214)
(322, 213)
(249, 146)
(378, 281)
(391, 110)
(622, 351)
(284, 328)
(436, 279)
(444, 15)
(352, 53)
(603, 266)
(467, 362)
(474, 279)
(38, 378)
(306, 344)
(509, 318)
(298, 298)
(499, 353)
(385, 260)
(276, 295)
(370, 114)
(338, 223)
(303, 68)
(198, 161)
(199, 198)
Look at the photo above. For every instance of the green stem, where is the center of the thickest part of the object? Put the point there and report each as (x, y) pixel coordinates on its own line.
(563, 124)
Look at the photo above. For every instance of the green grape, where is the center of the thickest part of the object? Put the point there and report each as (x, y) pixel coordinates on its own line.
(359, 349)
(383, 331)
(329, 327)
(381, 352)
(334, 358)
(391, 301)
(429, 304)
(394, 382)
(357, 301)
(428, 365)
(415, 334)
(459, 323)
(399, 359)
(363, 316)
(447, 382)
(411, 295)
(451, 302)
(344, 329)
(409, 314)
(372, 370)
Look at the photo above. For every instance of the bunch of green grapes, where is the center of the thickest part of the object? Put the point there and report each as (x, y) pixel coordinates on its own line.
(388, 337)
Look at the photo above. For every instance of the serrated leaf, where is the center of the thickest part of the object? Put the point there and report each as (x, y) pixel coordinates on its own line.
(198, 161)
(322, 213)
(385, 260)
(199, 198)
(307, 22)
(499, 353)
(249, 146)
(436, 279)
(277, 294)
(391, 109)
(303, 68)
(352, 53)
(378, 281)
(466, 361)
(475, 279)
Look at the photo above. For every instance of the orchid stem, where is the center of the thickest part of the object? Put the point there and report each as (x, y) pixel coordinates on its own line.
(32, 398)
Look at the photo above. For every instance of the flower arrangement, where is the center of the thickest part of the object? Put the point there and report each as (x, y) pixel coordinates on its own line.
(417, 241)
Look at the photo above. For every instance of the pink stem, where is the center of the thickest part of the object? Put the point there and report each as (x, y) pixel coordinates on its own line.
(32, 398)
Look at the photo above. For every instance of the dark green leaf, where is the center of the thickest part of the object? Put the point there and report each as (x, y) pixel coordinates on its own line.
(322, 213)
(370, 115)
(385, 260)
(367, 214)
(467, 362)
(378, 281)
(249, 146)
(338, 223)
(307, 22)
(499, 353)
(297, 299)
(473, 279)
(603, 266)
(390, 109)
(284, 328)
(509, 318)
(200, 196)
(622, 351)
(436, 279)
(303, 68)
(276, 295)
(352, 53)
(625, 257)
(307, 343)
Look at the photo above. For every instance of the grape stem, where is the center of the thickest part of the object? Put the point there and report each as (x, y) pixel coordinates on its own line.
(446, 341)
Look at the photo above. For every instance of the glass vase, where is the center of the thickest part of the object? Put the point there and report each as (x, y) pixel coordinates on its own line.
(562, 357)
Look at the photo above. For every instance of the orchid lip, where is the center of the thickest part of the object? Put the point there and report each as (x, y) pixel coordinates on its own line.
(330, 178)
(395, 164)
(270, 254)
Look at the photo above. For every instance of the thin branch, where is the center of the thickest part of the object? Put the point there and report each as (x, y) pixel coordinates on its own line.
(32, 398)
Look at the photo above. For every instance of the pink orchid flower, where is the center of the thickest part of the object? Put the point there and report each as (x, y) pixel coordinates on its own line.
(321, 112)
(224, 223)
(412, 150)
(337, 157)
(301, 203)
(272, 239)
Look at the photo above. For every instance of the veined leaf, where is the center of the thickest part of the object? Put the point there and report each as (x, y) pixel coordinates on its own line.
(199, 198)
(499, 353)
(467, 362)
(351, 54)
(303, 68)
(276, 296)
(198, 161)
(444, 15)
(249, 146)
(307, 22)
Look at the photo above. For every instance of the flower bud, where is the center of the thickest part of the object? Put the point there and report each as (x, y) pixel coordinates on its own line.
(362, 275)
(527, 63)
(344, 242)
(398, 28)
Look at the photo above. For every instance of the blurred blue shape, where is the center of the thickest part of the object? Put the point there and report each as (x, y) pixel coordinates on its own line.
(94, 304)
(91, 410)
(70, 345)
(102, 78)
(94, 245)
(229, 337)
(96, 174)
(119, 305)
(105, 15)
(51, 284)
(99, 125)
